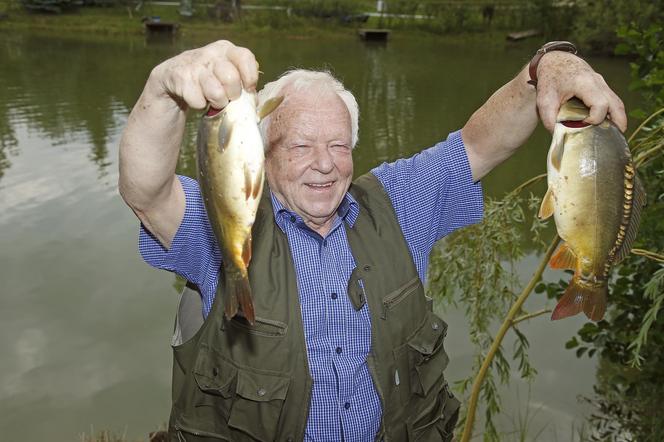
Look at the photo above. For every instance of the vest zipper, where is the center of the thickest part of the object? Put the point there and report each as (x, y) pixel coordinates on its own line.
(390, 302)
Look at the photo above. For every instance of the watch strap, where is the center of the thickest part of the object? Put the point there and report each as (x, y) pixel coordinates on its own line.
(564, 46)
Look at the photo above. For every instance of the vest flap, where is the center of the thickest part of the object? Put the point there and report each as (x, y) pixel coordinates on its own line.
(214, 375)
(261, 387)
(430, 358)
(429, 338)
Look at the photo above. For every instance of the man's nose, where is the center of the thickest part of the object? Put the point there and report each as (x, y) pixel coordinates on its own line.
(323, 160)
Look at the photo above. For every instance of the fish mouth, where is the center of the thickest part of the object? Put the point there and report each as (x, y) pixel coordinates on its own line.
(574, 124)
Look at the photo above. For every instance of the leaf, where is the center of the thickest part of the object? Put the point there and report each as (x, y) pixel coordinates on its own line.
(572, 343)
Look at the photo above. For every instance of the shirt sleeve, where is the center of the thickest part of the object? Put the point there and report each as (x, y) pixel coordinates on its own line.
(194, 253)
(433, 193)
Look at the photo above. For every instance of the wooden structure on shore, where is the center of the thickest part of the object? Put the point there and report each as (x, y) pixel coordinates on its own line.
(373, 34)
(516, 36)
(154, 26)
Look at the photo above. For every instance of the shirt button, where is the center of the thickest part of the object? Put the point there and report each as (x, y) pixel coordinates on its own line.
(347, 405)
(338, 350)
(333, 295)
(435, 326)
(324, 243)
(292, 219)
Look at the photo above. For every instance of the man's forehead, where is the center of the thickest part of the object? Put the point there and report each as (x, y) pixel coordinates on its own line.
(301, 107)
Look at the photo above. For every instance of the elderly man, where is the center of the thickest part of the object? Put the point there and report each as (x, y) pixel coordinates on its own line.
(345, 345)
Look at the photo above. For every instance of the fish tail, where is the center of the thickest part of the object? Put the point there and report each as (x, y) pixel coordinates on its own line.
(579, 297)
(237, 296)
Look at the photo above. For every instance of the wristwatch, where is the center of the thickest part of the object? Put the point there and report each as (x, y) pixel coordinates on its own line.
(564, 46)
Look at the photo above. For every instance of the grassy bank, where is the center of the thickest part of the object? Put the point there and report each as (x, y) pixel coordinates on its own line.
(98, 22)
(118, 19)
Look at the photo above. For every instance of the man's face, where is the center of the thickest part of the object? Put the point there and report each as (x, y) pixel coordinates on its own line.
(309, 163)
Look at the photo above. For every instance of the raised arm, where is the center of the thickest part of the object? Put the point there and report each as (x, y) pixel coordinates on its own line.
(151, 141)
(510, 115)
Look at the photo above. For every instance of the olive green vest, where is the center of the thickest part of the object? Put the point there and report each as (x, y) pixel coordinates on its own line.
(237, 382)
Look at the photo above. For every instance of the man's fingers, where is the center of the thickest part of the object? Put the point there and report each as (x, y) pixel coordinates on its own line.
(246, 64)
(598, 110)
(212, 89)
(616, 107)
(229, 78)
(548, 105)
(617, 113)
(191, 92)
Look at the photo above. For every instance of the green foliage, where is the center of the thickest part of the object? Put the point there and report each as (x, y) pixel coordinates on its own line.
(51, 6)
(475, 268)
(555, 19)
(596, 22)
(326, 9)
(647, 71)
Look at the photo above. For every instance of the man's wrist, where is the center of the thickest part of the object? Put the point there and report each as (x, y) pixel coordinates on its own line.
(551, 46)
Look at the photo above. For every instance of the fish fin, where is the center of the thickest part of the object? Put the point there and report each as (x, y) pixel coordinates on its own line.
(578, 298)
(594, 306)
(246, 251)
(230, 299)
(247, 182)
(564, 258)
(546, 209)
(558, 149)
(257, 186)
(225, 133)
(238, 294)
(269, 106)
(633, 226)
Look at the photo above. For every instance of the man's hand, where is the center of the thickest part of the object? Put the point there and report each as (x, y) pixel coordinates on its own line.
(151, 141)
(510, 115)
(212, 74)
(561, 76)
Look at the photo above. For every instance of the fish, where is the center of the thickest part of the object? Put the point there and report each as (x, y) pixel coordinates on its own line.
(230, 164)
(596, 199)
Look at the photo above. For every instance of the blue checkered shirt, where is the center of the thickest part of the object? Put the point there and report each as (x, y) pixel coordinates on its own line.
(432, 193)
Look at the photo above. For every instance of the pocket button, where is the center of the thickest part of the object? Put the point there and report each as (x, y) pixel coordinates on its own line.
(261, 392)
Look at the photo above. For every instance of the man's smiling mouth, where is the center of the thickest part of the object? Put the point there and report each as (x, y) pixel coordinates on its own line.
(320, 185)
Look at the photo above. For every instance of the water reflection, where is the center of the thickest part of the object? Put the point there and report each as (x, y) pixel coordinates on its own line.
(386, 90)
(66, 90)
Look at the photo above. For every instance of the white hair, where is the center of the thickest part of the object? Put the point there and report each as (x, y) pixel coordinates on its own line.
(303, 79)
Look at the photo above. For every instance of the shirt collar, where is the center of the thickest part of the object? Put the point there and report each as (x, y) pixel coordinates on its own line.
(348, 211)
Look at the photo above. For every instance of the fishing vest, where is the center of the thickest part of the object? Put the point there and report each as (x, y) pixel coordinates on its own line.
(239, 382)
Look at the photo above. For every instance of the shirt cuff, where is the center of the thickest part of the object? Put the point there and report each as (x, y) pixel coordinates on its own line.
(455, 161)
(152, 251)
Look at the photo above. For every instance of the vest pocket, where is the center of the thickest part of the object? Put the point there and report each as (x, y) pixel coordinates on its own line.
(404, 298)
(264, 327)
(233, 403)
(258, 404)
(434, 408)
(435, 422)
(428, 356)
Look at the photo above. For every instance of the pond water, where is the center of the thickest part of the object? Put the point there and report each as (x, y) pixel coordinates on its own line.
(85, 325)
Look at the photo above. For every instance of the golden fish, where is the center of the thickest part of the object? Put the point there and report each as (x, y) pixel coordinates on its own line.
(596, 199)
(230, 158)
